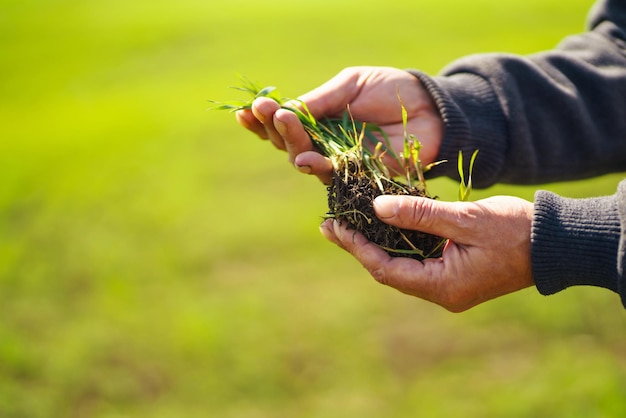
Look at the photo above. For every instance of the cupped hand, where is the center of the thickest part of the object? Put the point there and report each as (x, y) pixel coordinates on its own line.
(372, 95)
(487, 255)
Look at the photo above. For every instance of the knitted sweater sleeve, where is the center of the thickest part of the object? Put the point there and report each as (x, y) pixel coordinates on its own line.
(552, 116)
(579, 242)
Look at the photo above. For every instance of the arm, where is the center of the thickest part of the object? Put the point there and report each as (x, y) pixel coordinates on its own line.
(552, 116)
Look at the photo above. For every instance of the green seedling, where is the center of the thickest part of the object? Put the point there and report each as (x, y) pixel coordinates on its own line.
(361, 154)
(465, 189)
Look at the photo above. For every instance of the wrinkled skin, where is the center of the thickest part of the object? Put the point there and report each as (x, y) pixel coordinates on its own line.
(372, 94)
(488, 252)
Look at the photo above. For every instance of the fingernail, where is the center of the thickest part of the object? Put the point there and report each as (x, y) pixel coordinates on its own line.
(327, 224)
(281, 127)
(306, 169)
(386, 206)
(326, 228)
(258, 114)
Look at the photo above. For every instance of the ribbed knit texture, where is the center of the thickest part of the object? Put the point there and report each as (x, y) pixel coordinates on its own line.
(577, 242)
(473, 121)
(551, 116)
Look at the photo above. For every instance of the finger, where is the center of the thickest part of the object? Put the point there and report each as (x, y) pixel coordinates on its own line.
(328, 231)
(263, 109)
(300, 147)
(312, 162)
(368, 253)
(409, 276)
(247, 120)
(294, 136)
(447, 219)
(331, 98)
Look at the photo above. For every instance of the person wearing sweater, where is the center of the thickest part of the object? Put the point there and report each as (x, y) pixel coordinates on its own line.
(552, 116)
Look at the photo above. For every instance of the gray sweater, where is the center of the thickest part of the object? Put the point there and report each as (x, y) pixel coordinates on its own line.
(552, 116)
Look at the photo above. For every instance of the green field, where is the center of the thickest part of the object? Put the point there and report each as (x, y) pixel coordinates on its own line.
(156, 260)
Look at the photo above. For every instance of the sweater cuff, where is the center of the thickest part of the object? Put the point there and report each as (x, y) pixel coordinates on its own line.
(575, 242)
(473, 121)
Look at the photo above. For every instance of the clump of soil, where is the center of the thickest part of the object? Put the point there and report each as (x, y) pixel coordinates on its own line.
(360, 175)
(350, 199)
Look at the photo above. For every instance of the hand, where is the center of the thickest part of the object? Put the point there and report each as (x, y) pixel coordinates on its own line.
(372, 93)
(488, 254)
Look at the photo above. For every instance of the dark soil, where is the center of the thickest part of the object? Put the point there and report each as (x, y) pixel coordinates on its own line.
(350, 198)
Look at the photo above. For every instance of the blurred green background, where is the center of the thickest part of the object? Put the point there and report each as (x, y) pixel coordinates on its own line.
(156, 260)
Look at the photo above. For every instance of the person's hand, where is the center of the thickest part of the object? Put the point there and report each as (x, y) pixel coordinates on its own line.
(372, 94)
(488, 254)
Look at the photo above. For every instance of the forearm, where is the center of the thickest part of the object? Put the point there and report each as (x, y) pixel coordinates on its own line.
(553, 116)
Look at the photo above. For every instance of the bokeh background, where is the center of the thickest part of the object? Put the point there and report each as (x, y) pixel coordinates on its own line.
(156, 260)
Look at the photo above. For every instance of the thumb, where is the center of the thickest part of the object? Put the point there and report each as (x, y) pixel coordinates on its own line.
(330, 99)
(446, 219)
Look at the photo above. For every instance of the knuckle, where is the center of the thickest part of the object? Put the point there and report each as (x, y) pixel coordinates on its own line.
(380, 275)
(350, 70)
(465, 216)
(419, 212)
